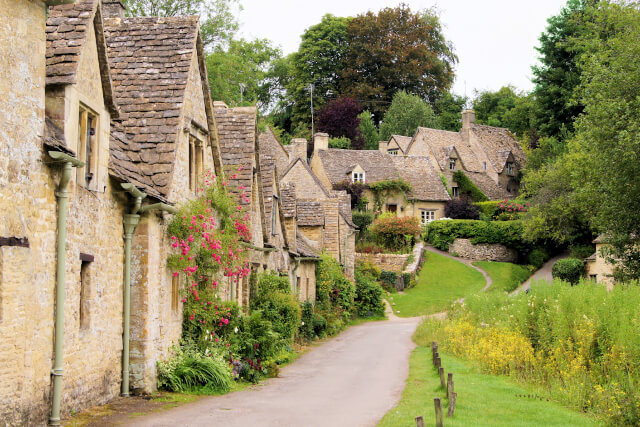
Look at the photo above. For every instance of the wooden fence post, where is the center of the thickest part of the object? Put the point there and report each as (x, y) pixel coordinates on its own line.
(452, 404)
(419, 421)
(441, 372)
(438, 406)
(449, 385)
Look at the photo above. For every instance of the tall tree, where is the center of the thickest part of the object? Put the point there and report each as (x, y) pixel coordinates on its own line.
(339, 118)
(368, 130)
(239, 75)
(449, 108)
(396, 50)
(318, 62)
(218, 24)
(505, 108)
(404, 116)
(558, 74)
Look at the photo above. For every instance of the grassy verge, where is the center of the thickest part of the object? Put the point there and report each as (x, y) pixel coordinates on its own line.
(441, 282)
(505, 275)
(483, 400)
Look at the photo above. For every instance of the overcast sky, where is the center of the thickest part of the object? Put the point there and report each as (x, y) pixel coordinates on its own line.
(494, 39)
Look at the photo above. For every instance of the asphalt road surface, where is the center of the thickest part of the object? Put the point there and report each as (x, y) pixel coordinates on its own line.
(351, 380)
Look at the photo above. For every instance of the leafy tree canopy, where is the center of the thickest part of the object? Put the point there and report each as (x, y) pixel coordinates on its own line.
(406, 113)
(505, 108)
(368, 130)
(339, 118)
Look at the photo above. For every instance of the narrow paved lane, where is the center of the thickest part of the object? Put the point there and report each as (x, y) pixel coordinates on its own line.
(544, 273)
(351, 380)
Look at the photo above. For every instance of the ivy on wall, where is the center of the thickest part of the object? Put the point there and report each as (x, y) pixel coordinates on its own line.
(467, 187)
(383, 189)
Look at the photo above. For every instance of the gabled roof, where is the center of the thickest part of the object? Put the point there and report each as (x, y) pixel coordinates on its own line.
(402, 141)
(425, 181)
(498, 143)
(488, 186)
(151, 59)
(67, 34)
(267, 177)
(288, 199)
(338, 164)
(126, 164)
(310, 213)
(441, 142)
(237, 136)
(270, 145)
(304, 164)
(304, 246)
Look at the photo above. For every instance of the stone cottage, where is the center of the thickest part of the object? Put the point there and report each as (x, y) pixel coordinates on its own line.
(103, 129)
(489, 156)
(597, 268)
(425, 201)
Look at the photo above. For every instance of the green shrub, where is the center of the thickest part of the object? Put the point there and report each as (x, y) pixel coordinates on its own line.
(306, 325)
(200, 321)
(368, 269)
(362, 219)
(581, 251)
(395, 232)
(388, 279)
(333, 290)
(488, 208)
(537, 257)
(568, 269)
(368, 297)
(443, 232)
(468, 188)
(255, 342)
(277, 304)
(406, 279)
(189, 370)
(343, 143)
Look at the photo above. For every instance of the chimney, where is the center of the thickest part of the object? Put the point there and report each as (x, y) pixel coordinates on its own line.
(321, 142)
(382, 146)
(468, 118)
(298, 148)
(113, 9)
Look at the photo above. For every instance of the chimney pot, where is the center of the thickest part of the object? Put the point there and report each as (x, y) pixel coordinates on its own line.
(113, 9)
(382, 146)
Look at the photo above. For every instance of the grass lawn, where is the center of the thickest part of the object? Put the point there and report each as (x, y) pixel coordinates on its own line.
(483, 400)
(506, 276)
(441, 282)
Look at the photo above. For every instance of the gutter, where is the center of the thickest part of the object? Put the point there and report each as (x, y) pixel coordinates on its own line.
(130, 222)
(62, 196)
(257, 248)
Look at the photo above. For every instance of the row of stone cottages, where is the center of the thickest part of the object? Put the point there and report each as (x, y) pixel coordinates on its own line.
(106, 124)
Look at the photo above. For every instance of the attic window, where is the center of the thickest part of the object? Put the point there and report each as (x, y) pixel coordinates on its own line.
(509, 168)
(357, 177)
(452, 163)
(88, 145)
(195, 164)
(393, 152)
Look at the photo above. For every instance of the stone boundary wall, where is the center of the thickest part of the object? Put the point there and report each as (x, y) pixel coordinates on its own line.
(418, 254)
(388, 262)
(482, 252)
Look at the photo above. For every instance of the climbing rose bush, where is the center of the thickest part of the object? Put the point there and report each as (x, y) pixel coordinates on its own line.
(395, 232)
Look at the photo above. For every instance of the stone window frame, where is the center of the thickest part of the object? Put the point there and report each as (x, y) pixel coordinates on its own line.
(358, 177)
(455, 192)
(509, 168)
(593, 277)
(425, 214)
(84, 291)
(195, 163)
(452, 163)
(274, 214)
(88, 147)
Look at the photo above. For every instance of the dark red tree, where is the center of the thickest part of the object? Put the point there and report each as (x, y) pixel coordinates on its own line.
(339, 118)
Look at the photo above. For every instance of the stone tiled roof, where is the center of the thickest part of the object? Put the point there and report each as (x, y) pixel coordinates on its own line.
(126, 163)
(488, 186)
(54, 137)
(497, 143)
(237, 136)
(402, 141)
(442, 143)
(67, 33)
(311, 173)
(270, 145)
(338, 164)
(288, 199)
(151, 58)
(304, 246)
(267, 173)
(425, 181)
(310, 213)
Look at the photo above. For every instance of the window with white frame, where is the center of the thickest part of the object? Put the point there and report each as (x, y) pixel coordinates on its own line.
(357, 177)
(427, 215)
(452, 163)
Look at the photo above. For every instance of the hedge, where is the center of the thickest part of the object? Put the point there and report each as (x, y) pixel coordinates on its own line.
(488, 208)
(442, 233)
(466, 186)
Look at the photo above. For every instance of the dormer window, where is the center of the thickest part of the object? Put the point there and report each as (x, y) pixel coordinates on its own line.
(509, 168)
(452, 164)
(88, 144)
(357, 177)
(393, 152)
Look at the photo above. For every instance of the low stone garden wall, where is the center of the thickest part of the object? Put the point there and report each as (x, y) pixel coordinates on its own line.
(483, 252)
(388, 262)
